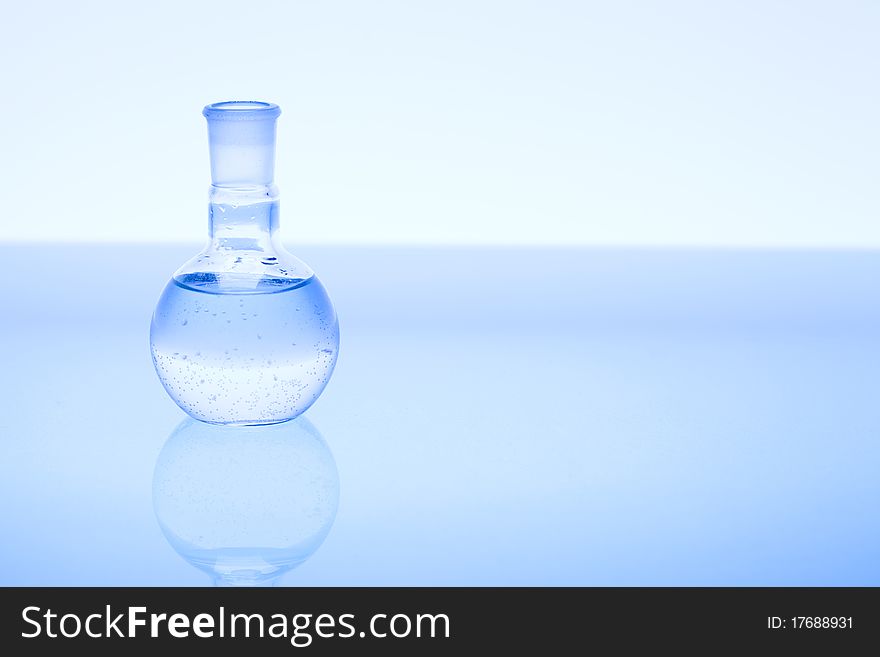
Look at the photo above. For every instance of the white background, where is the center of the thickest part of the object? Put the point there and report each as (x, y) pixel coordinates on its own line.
(660, 123)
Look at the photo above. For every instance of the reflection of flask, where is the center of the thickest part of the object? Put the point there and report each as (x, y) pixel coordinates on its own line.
(244, 333)
(245, 504)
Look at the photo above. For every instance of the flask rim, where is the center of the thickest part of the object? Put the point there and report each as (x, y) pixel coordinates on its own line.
(241, 110)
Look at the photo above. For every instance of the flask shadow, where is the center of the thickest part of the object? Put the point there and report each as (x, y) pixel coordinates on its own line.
(245, 504)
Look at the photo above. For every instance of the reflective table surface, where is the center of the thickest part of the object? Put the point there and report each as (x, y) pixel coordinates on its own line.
(497, 417)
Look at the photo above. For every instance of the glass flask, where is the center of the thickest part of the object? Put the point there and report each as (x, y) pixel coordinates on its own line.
(244, 333)
(245, 504)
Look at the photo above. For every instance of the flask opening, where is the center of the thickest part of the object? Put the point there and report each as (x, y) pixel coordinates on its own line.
(241, 110)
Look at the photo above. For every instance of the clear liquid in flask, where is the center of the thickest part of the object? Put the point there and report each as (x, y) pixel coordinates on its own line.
(232, 350)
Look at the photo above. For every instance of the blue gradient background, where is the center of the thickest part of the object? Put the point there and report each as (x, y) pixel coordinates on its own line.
(457, 122)
(603, 417)
(606, 276)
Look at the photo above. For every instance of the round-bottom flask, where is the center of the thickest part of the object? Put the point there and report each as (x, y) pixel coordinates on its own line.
(244, 333)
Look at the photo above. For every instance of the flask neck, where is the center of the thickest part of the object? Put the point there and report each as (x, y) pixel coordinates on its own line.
(241, 135)
(243, 218)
